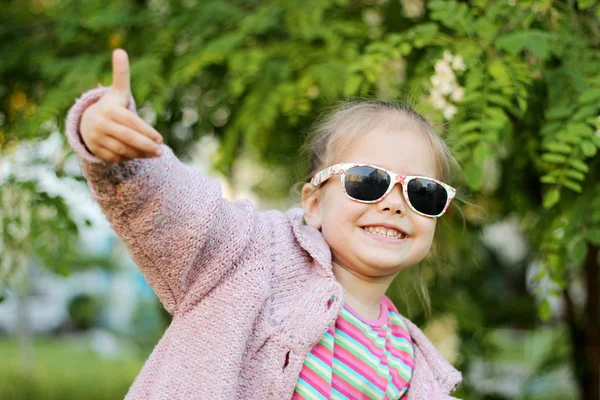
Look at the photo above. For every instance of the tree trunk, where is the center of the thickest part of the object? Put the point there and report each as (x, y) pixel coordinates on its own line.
(584, 329)
(592, 324)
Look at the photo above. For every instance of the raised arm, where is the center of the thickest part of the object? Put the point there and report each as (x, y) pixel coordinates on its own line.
(182, 234)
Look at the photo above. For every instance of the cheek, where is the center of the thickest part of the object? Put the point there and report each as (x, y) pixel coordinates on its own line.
(425, 227)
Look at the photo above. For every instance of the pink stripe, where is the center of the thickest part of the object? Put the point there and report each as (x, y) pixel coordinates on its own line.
(297, 396)
(398, 331)
(323, 354)
(397, 379)
(316, 381)
(360, 367)
(405, 356)
(345, 388)
(355, 333)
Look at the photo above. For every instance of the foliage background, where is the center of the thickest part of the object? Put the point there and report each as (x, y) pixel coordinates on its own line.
(514, 86)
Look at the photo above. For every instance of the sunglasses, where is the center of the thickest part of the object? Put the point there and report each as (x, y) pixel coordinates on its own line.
(368, 183)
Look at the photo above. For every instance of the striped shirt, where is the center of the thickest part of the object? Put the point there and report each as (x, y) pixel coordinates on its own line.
(359, 359)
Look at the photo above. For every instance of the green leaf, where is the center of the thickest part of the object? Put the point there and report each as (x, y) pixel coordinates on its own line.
(499, 100)
(558, 147)
(580, 129)
(474, 175)
(589, 96)
(551, 198)
(585, 112)
(480, 153)
(512, 42)
(498, 71)
(470, 138)
(471, 96)
(352, 85)
(588, 148)
(578, 249)
(549, 179)
(544, 310)
(425, 33)
(571, 173)
(578, 164)
(583, 4)
(559, 112)
(536, 41)
(468, 126)
(554, 158)
(593, 235)
(574, 186)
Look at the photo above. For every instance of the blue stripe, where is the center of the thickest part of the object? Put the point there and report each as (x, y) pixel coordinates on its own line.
(308, 387)
(359, 379)
(335, 395)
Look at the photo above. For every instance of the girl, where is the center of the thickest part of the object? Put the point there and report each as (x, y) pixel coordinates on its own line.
(272, 305)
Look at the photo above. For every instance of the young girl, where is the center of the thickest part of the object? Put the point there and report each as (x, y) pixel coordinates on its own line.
(272, 305)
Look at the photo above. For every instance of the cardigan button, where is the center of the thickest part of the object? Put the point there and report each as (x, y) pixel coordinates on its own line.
(330, 302)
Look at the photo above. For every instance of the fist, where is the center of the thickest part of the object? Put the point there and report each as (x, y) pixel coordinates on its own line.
(110, 130)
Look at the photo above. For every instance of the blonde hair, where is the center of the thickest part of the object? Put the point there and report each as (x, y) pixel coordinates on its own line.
(337, 131)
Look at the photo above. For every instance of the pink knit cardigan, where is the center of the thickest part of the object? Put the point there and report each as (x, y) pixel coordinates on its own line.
(248, 290)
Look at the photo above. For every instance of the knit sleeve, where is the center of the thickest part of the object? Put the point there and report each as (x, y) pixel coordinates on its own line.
(181, 233)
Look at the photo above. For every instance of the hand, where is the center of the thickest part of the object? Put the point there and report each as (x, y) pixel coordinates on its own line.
(110, 130)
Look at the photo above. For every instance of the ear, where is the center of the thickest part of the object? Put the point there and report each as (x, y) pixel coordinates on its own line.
(311, 202)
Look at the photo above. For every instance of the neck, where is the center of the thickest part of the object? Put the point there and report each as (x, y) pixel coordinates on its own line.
(363, 293)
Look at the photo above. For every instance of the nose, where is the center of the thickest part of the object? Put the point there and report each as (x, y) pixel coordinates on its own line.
(394, 202)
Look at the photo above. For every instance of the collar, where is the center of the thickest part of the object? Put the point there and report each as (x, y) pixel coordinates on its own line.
(311, 240)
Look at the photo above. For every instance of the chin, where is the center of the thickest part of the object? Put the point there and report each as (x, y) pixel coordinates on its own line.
(385, 267)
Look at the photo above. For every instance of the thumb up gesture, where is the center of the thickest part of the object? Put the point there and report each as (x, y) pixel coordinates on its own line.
(110, 130)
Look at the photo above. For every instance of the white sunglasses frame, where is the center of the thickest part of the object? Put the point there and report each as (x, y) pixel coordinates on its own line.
(341, 168)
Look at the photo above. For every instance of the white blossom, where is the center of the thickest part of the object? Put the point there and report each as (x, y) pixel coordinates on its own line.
(457, 94)
(447, 57)
(372, 17)
(189, 116)
(449, 111)
(458, 64)
(413, 8)
(446, 91)
(442, 68)
(447, 86)
(438, 100)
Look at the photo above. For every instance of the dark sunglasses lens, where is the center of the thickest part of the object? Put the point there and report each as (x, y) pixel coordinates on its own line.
(366, 183)
(427, 196)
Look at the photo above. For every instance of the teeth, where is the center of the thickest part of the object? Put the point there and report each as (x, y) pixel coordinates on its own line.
(385, 232)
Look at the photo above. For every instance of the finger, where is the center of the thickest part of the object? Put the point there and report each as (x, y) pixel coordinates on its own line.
(131, 138)
(121, 149)
(130, 119)
(107, 155)
(121, 79)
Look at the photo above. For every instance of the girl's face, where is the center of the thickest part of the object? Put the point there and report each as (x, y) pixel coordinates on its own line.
(346, 223)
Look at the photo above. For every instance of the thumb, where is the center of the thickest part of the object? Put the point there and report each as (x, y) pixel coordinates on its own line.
(121, 79)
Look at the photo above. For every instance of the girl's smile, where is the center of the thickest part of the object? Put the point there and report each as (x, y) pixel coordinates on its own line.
(385, 233)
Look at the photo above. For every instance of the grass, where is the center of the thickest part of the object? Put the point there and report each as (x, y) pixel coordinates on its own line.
(63, 370)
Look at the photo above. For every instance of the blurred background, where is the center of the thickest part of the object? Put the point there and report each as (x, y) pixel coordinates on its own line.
(234, 87)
